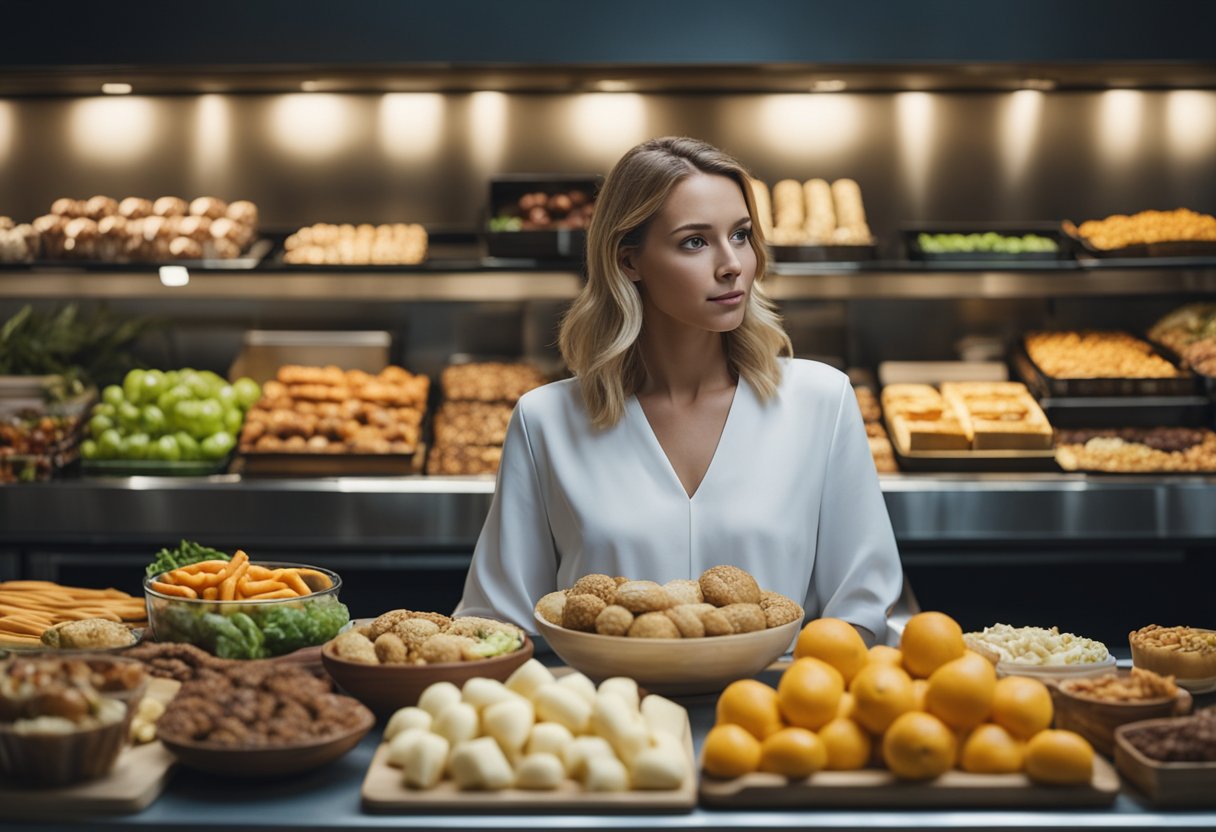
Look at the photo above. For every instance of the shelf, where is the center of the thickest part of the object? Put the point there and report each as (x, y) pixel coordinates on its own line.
(504, 282)
(442, 513)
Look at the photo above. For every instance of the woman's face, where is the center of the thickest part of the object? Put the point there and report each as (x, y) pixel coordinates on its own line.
(696, 264)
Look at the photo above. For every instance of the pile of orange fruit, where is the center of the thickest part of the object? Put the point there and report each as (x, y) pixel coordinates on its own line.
(920, 710)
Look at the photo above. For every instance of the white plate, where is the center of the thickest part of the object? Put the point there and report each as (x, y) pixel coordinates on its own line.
(1056, 671)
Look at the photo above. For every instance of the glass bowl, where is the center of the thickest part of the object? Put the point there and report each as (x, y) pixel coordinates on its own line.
(252, 629)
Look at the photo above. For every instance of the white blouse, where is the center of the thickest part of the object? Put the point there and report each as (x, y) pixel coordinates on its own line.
(791, 495)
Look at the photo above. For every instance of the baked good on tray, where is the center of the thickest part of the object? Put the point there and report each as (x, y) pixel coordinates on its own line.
(1093, 354)
(1137, 450)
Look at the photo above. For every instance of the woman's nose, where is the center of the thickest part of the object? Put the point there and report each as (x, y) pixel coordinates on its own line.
(729, 266)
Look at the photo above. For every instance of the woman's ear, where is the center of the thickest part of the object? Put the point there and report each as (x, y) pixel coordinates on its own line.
(626, 261)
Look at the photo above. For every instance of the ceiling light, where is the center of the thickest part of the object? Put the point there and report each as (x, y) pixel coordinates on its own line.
(828, 85)
(116, 89)
(1040, 84)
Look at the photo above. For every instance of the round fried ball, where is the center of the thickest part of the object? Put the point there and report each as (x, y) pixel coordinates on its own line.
(744, 618)
(550, 607)
(613, 621)
(600, 585)
(581, 611)
(390, 649)
(653, 625)
(642, 596)
(722, 585)
(778, 609)
(686, 619)
(684, 591)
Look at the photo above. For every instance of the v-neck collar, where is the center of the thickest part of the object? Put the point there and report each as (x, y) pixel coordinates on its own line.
(742, 390)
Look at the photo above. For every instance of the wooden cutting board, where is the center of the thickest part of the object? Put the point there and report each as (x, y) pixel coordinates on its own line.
(879, 789)
(138, 777)
(383, 792)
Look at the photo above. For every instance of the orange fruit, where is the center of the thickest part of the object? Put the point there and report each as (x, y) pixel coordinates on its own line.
(990, 749)
(920, 689)
(1022, 706)
(961, 691)
(809, 693)
(844, 709)
(881, 692)
(751, 705)
(918, 746)
(848, 745)
(929, 640)
(793, 752)
(835, 642)
(883, 653)
(730, 751)
(1060, 758)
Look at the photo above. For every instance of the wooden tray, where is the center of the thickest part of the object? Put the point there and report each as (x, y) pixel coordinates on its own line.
(138, 777)
(384, 793)
(1166, 784)
(879, 789)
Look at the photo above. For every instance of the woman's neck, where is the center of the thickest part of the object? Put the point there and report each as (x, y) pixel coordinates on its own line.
(681, 362)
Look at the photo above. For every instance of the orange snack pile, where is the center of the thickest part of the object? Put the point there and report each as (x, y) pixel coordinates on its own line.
(239, 580)
(919, 711)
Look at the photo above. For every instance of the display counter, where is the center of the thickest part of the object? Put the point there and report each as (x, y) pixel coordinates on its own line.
(329, 799)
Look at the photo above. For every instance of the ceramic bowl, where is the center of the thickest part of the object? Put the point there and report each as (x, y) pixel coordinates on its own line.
(1055, 672)
(1096, 719)
(386, 687)
(275, 761)
(677, 666)
(61, 759)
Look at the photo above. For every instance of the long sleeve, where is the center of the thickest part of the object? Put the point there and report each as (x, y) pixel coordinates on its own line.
(857, 574)
(515, 561)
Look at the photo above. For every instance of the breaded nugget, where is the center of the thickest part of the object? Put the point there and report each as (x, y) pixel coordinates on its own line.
(642, 596)
(653, 625)
(550, 607)
(744, 618)
(390, 649)
(444, 648)
(687, 620)
(414, 631)
(355, 647)
(581, 611)
(475, 627)
(716, 624)
(601, 585)
(684, 591)
(385, 623)
(778, 609)
(722, 585)
(613, 621)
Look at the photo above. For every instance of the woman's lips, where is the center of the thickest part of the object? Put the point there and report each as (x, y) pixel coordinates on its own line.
(729, 299)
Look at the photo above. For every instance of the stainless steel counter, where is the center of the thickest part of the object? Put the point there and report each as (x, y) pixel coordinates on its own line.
(447, 513)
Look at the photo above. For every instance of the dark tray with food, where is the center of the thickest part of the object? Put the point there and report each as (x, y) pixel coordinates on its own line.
(968, 242)
(1141, 235)
(253, 464)
(967, 461)
(538, 217)
(824, 253)
(153, 467)
(1127, 411)
(1173, 381)
(1160, 450)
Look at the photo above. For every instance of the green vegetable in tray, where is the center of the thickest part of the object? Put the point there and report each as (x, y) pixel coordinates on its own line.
(987, 243)
(290, 627)
(255, 631)
(497, 644)
(186, 553)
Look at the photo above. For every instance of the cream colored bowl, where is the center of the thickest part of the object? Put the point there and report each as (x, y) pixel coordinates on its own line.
(670, 665)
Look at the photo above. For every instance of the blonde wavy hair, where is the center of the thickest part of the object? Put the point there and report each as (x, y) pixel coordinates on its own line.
(599, 333)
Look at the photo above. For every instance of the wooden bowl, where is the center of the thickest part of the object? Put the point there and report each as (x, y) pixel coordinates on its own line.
(386, 687)
(1096, 719)
(670, 665)
(1166, 784)
(276, 761)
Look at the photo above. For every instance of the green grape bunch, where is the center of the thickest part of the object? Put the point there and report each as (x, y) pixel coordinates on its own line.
(169, 415)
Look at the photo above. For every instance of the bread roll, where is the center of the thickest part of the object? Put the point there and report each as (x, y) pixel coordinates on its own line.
(788, 209)
(170, 206)
(821, 213)
(764, 206)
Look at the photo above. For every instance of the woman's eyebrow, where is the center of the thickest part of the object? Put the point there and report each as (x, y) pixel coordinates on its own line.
(703, 226)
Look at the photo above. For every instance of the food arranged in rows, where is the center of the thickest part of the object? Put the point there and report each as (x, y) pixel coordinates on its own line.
(135, 230)
(471, 423)
(985, 243)
(546, 209)
(1137, 450)
(814, 214)
(472, 717)
(876, 434)
(325, 244)
(965, 417)
(1096, 355)
(1149, 233)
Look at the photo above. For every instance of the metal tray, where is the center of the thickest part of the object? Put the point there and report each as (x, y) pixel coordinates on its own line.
(823, 254)
(250, 259)
(1128, 411)
(568, 244)
(1174, 248)
(971, 461)
(1045, 386)
(1063, 252)
(330, 465)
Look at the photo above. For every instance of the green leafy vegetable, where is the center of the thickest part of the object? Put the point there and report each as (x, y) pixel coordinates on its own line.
(186, 553)
(257, 630)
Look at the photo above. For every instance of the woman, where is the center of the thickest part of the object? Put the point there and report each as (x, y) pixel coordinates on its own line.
(684, 441)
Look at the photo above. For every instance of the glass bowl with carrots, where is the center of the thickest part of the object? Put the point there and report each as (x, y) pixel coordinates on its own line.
(241, 609)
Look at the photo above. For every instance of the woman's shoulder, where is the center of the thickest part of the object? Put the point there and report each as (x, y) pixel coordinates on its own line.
(552, 399)
(801, 376)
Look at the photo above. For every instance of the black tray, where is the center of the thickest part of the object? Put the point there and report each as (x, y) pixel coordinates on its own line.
(1051, 230)
(558, 244)
(1044, 386)
(1128, 411)
(153, 467)
(329, 465)
(250, 259)
(967, 462)
(823, 254)
(1174, 248)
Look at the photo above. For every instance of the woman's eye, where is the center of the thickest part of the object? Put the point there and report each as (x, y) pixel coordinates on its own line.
(742, 235)
(694, 243)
